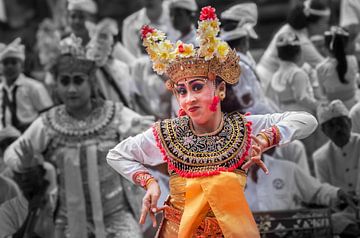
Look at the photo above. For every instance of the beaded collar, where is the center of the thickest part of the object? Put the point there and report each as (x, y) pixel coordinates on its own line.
(190, 155)
(64, 124)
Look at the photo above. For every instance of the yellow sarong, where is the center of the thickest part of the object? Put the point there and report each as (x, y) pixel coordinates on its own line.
(222, 195)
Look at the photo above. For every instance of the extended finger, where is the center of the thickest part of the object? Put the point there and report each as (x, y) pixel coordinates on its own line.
(145, 209)
(154, 200)
(143, 215)
(262, 165)
(247, 165)
(153, 219)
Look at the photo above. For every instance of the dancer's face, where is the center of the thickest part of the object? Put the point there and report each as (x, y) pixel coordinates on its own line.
(195, 95)
(74, 89)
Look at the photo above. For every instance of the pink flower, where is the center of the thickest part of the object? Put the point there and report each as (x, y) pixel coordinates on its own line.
(207, 13)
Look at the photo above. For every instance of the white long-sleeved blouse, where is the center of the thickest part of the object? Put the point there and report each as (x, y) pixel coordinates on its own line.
(132, 154)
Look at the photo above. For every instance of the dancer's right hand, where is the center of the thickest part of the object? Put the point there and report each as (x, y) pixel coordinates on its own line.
(149, 204)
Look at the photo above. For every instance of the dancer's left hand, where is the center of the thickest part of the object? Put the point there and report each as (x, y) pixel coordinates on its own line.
(258, 146)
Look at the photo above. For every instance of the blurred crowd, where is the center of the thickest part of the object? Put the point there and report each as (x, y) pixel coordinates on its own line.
(60, 115)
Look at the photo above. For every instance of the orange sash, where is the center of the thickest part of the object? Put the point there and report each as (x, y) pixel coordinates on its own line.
(224, 194)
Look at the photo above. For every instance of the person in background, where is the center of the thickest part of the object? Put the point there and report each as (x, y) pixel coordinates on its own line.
(22, 99)
(319, 43)
(113, 76)
(350, 20)
(80, 14)
(8, 187)
(338, 73)
(290, 86)
(337, 161)
(154, 13)
(294, 152)
(305, 19)
(182, 14)
(30, 213)
(355, 118)
(237, 29)
(75, 137)
(287, 187)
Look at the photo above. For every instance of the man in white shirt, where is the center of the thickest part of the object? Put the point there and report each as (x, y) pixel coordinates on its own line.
(22, 99)
(154, 13)
(237, 29)
(337, 161)
(182, 14)
(80, 13)
(287, 187)
(113, 75)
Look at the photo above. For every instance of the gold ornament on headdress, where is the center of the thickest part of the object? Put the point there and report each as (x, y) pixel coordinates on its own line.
(72, 56)
(180, 60)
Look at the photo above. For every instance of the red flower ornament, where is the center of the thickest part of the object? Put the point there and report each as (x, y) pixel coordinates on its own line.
(145, 30)
(181, 48)
(208, 13)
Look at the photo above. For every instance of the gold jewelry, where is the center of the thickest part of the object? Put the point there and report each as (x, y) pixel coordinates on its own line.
(264, 136)
(222, 95)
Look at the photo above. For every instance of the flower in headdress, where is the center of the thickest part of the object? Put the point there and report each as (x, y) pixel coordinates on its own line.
(207, 13)
(207, 32)
(72, 45)
(184, 50)
(160, 50)
(145, 30)
(159, 67)
(222, 50)
(165, 51)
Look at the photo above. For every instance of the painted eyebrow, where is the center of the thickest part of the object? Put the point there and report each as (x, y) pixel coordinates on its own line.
(192, 81)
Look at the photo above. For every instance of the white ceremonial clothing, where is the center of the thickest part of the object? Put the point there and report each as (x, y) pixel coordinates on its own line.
(286, 187)
(123, 54)
(270, 61)
(120, 73)
(349, 12)
(150, 87)
(354, 114)
(295, 152)
(331, 85)
(31, 99)
(249, 87)
(13, 214)
(291, 89)
(339, 166)
(133, 24)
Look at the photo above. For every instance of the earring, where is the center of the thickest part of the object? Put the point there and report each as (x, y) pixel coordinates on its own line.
(222, 95)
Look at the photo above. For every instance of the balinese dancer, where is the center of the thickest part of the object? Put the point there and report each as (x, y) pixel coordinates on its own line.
(75, 137)
(208, 148)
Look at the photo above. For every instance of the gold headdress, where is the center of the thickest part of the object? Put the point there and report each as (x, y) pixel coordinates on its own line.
(213, 57)
(72, 57)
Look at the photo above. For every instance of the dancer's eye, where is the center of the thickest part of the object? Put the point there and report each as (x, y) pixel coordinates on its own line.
(197, 86)
(181, 90)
